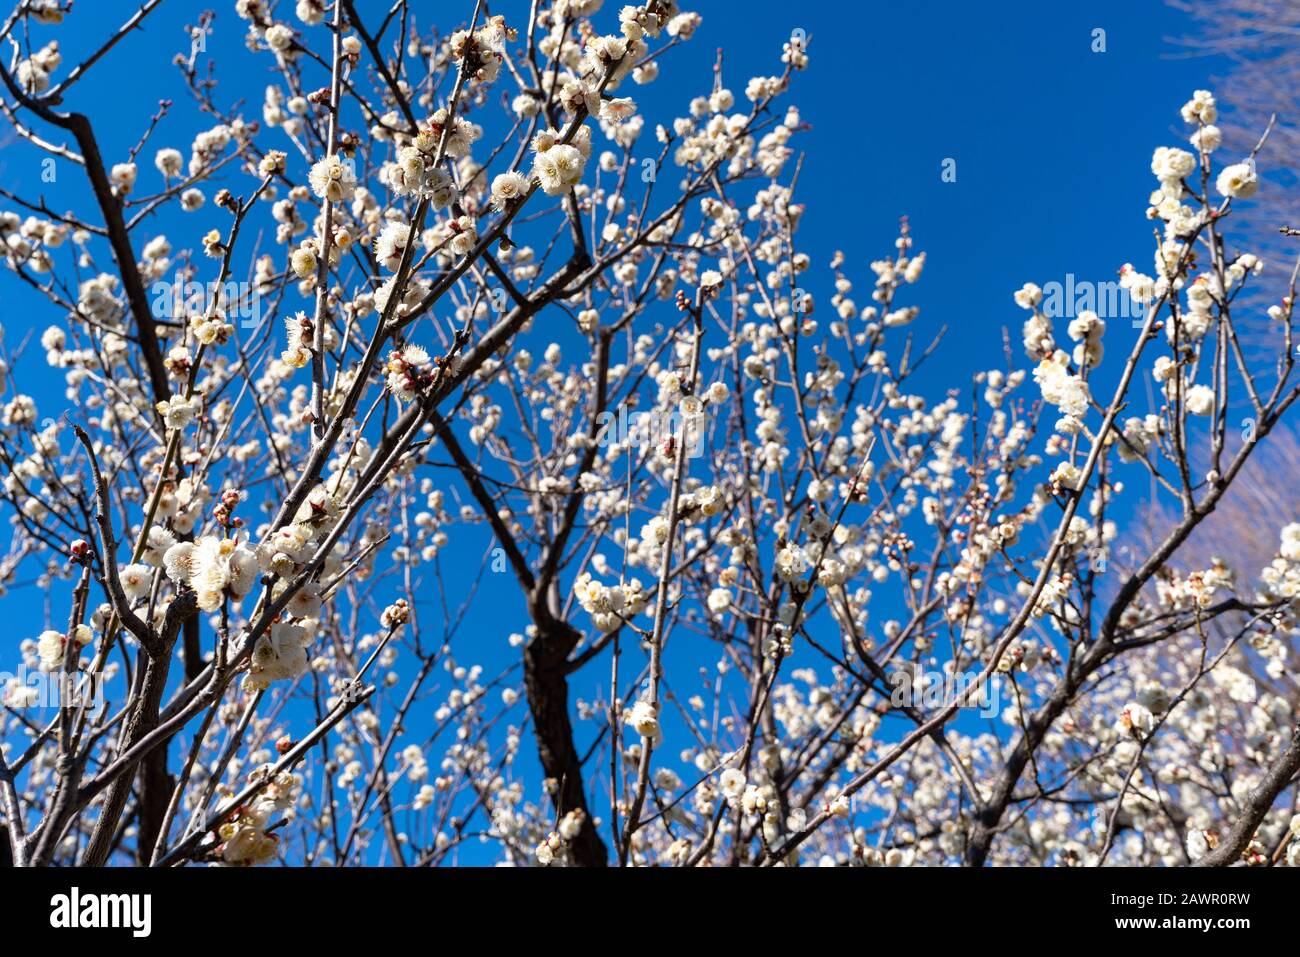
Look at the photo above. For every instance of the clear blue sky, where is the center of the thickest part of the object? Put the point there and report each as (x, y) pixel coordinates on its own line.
(1052, 144)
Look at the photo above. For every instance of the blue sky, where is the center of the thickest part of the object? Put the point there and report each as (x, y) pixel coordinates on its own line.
(1052, 145)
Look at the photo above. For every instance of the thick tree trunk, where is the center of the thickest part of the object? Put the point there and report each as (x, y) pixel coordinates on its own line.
(988, 818)
(548, 700)
(142, 721)
(155, 792)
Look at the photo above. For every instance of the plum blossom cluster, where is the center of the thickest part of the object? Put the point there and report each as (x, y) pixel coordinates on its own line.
(474, 278)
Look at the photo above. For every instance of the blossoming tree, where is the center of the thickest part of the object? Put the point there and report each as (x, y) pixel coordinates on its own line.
(498, 296)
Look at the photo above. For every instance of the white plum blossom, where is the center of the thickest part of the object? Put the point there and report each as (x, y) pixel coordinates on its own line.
(1238, 181)
(333, 179)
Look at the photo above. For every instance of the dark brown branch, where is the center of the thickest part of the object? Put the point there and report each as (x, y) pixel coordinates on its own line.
(1258, 804)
